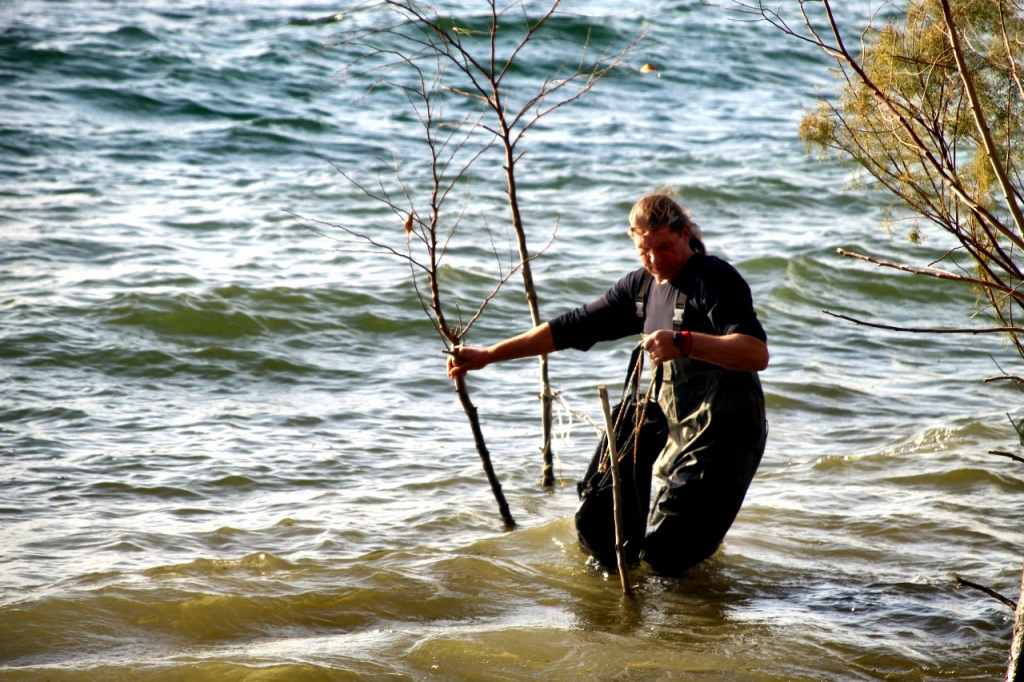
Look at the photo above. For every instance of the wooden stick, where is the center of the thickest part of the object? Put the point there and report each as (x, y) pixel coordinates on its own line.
(620, 550)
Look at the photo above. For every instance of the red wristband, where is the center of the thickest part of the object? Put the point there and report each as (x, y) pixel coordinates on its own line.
(684, 341)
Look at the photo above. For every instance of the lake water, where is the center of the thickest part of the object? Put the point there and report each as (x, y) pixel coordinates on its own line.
(228, 448)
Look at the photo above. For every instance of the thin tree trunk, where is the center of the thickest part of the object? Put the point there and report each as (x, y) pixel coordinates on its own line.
(481, 448)
(547, 472)
(1015, 669)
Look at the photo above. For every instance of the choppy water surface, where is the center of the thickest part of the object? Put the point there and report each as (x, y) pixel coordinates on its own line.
(229, 450)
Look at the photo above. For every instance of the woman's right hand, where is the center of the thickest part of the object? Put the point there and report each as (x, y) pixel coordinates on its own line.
(464, 359)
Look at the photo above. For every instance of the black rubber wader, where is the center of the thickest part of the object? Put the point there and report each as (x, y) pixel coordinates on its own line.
(717, 434)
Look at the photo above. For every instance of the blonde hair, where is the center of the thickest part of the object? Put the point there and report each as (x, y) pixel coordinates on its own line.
(656, 212)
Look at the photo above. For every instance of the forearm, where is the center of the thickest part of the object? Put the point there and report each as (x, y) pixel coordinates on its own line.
(536, 341)
(734, 351)
(738, 352)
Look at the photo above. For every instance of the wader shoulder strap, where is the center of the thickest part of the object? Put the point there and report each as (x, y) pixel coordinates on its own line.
(677, 314)
(646, 282)
(643, 293)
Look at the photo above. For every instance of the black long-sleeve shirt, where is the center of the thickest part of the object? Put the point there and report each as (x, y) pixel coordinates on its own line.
(718, 302)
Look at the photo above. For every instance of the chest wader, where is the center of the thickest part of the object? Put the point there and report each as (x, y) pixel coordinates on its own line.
(717, 434)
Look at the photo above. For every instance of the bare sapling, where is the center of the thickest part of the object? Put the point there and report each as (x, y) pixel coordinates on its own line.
(478, 60)
(456, 82)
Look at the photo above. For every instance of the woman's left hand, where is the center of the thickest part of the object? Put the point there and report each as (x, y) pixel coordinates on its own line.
(662, 346)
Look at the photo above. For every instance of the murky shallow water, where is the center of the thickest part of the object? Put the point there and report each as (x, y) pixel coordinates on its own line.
(229, 450)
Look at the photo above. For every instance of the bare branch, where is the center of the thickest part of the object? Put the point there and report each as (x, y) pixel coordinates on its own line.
(1009, 455)
(928, 330)
(935, 272)
(498, 286)
(369, 240)
(425, 307)
(1005, 377)
(774, 17)
(960, 582)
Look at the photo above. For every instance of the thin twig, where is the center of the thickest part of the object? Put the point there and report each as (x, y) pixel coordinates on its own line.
(960, 582)
(357, 235)
(928, 330)
(1010, 455)
(1007, 377)
(934, 272)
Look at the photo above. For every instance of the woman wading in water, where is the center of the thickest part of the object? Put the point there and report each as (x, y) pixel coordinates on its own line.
(697, 319)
